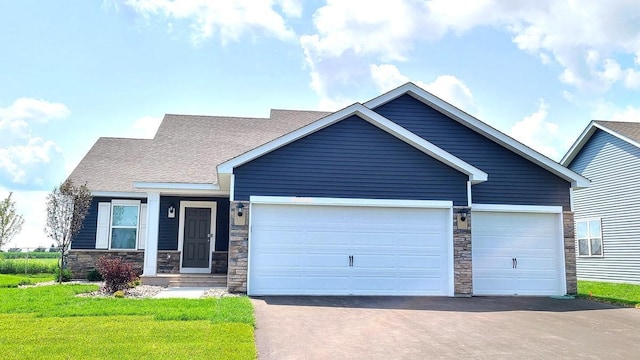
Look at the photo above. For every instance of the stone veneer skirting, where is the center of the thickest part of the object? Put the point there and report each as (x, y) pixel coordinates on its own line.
(238, 249)
(462, 270)
(82, 261)
(570, 252)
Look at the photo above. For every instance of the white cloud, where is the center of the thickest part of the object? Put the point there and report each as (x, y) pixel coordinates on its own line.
(538, 133)
(447, 87)
(145, 127)
(26, 159)
(32, 206)
(608, 111)
(226, 20)
(583, 38)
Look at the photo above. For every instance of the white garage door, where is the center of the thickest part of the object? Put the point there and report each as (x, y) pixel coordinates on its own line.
(348, 250)
(517, 253)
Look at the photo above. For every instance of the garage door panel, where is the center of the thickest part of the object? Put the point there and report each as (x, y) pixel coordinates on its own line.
(532, 239)
(396, 251)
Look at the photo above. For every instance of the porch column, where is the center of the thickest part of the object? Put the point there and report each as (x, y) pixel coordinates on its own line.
(151, 243)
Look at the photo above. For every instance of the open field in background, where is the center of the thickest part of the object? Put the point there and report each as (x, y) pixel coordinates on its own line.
(623, 294)
(28, 266)
(51, 322)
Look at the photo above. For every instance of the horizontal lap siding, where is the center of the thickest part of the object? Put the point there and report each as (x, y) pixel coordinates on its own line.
(350, 159)
(86, 238)
(613, 166)
(512, 178)
(168, 228)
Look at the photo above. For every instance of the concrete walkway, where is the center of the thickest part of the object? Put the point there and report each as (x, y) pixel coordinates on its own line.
(181, 292)
(443, 328)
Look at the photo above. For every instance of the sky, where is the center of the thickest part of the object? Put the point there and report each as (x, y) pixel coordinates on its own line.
(73, 71)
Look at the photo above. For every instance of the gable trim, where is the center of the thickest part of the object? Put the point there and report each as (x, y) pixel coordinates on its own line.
(475, 175)
(586, 135)
(478, 126)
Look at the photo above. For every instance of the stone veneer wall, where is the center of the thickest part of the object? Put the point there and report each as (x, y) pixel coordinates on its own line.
(238, 250)
(462, 271)
(570, 252)
(219, 262)
(168, 262)
(82, 261)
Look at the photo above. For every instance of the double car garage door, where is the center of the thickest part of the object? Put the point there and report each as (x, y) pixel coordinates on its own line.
(306, 249)
(348, 250)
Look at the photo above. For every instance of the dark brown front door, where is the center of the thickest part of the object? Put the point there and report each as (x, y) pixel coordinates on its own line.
(197, 230)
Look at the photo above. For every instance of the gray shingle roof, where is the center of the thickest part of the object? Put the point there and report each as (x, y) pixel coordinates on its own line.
(630, 130)
(185, 149)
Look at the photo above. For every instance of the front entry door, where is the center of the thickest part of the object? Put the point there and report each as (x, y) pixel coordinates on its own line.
(197, 238)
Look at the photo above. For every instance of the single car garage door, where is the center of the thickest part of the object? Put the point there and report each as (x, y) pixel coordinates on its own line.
(303, 249)
(517, 253)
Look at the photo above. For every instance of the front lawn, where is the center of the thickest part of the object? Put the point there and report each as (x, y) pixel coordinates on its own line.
(50, 322)
(15, 280)
(624, 294)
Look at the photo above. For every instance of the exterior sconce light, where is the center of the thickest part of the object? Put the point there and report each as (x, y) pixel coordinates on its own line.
(239, 209)
(463, 216)
(172, 212)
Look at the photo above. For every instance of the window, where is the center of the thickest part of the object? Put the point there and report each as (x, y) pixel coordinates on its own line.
(124, 224)
(589, 234)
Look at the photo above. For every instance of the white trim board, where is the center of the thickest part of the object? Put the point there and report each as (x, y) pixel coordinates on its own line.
(475, 175)
(197, 204)
(350, 202)
(480, 127)
(517, 208)
(119, 194)
(174, 186)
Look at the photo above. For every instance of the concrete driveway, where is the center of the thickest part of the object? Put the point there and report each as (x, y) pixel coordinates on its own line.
(443, 328)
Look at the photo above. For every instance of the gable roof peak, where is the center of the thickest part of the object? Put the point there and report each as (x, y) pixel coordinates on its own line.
(628, 131)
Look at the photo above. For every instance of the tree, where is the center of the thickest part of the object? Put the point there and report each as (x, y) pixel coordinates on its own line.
(10, 221)
(67, 206)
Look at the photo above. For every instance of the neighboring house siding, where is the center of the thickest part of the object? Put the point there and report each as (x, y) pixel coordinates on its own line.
(168, 228)
(512, 178)
(613, 166)
(86, 238)
(350, 159)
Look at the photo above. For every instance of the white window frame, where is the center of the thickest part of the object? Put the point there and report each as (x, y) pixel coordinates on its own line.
(589, 237)
(115, 203)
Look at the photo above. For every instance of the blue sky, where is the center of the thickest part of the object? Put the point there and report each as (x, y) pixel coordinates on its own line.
(71, 72)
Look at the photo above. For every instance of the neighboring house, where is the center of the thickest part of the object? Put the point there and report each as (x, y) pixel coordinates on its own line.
(388, 197)
(607, 213)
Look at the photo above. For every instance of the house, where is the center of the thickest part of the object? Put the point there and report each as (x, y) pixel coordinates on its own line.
(386, 197)
(606, 214)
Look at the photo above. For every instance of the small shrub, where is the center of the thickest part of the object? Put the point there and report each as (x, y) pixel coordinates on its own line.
(94, 275)
(118, 294)
(24, 282)
(117, 274)
(67, 275)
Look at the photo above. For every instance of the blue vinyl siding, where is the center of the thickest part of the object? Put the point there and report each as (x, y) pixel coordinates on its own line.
(168, 229)
(613, 167)
(350, 159)
(86, 238)
(512, 179)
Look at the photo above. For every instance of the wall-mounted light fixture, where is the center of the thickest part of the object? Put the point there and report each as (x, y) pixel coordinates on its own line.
(239, 209)
(172, 212)
(463, 216)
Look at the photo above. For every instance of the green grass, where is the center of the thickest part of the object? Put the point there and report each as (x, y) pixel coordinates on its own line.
(28, 266)
(50, 322)
(15, 280)
(623, 294)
